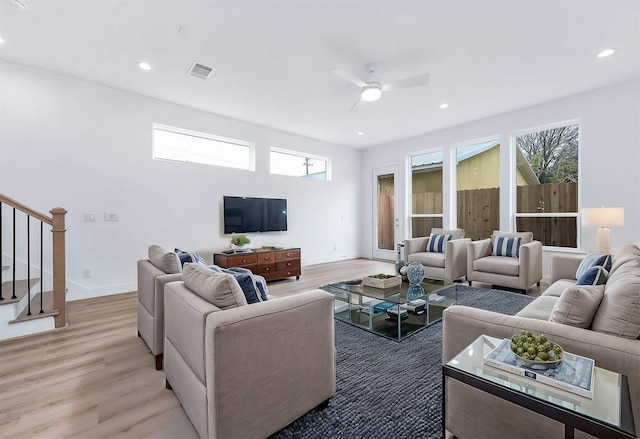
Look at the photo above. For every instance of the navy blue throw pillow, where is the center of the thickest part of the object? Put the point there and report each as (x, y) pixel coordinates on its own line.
(253, 291)
(593, 260)
(186, 257)
(595, 275)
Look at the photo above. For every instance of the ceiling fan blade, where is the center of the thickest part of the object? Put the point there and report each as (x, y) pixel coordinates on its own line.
(356, 106)
(348, 77)
(414, 81)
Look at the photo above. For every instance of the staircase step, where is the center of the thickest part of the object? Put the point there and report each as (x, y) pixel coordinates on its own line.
(21, 290)
(47, 305)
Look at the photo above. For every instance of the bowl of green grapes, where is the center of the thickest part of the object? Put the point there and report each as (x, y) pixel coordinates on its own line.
(536, 351)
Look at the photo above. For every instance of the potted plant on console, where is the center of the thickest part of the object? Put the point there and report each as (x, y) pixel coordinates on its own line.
(239, 241)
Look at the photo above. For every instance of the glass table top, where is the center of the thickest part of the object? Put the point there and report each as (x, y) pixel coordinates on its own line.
(606, 405)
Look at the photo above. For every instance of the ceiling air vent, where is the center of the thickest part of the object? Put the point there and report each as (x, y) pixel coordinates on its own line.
(200, 71)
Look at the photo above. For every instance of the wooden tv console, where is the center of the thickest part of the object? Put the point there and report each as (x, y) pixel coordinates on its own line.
(267, 262)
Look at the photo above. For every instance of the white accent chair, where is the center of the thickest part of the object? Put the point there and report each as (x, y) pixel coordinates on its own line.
(511, 272)
(450, 265)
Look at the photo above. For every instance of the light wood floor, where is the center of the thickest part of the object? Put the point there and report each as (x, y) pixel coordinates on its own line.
(96, 378)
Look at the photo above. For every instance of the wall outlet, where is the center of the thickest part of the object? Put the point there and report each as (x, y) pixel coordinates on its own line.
(86, 273)
(89, 217)
(109, 216)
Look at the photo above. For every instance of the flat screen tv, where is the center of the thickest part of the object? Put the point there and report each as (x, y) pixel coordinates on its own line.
(247, 214)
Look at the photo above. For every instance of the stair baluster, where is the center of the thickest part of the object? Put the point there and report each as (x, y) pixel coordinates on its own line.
(13, 296)
(41, 272)
(29, 265)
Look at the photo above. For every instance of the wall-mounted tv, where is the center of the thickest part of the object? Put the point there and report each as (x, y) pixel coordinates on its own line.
(247, 214)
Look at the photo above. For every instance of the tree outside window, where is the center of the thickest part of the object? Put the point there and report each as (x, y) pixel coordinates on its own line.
(547, 193)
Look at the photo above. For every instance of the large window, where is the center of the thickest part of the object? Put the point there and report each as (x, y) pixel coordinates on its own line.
(426, 193)
(299, 164)
(547, 184)
(182, 145)
(478, 188)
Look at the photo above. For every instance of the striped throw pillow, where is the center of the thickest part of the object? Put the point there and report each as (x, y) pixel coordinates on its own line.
(593, 260)
(437, 243)
(503, 246)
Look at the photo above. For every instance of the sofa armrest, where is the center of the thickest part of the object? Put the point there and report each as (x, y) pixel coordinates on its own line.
(564, 266)
(530, 261)
(185, 322)
(414, 245)
(476, 250)
(455, 264)
(280, 353)
(462, 325)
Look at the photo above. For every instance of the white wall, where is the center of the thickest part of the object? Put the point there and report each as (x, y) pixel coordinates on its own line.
(87, 148)
(609, 156)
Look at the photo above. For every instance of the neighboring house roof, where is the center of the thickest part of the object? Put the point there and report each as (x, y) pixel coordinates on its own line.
(433, 161)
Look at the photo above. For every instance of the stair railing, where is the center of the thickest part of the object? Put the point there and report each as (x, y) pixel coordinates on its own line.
(57, 223)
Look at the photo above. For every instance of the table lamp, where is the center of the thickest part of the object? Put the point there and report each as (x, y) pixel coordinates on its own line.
(603, 218)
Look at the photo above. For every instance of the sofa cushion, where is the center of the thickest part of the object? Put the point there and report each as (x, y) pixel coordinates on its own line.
(219, 289)
(577, 305)
(593, 260)
(437, 243)
(497, 265)
(627, 250)
(557, 288)
(539, 309)
(621, 261)
(593, 276)
(504, 246)
(428, 259)
(619, 312)
(165, 260)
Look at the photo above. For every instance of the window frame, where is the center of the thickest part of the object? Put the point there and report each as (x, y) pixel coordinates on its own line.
(187, 132)
(409, 184)
(302, 155)
(513, 189)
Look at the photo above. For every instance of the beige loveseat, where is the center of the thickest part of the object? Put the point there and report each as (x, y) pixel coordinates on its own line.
(246, 371)
(449, 265)
(163, 266)
(612, 339)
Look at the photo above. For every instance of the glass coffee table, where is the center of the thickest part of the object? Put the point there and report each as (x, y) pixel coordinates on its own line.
(608, 414)
(395, 313)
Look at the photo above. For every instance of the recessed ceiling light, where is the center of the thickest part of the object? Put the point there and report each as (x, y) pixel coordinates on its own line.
(144, 65)
(1, 40)
(360, 133)
(606, 52)
(444, 106)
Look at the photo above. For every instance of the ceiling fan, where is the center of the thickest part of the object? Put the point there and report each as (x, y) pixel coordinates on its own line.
(371, 89)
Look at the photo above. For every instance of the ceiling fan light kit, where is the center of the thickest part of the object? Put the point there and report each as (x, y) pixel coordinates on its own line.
(372, 92)
(371, 89)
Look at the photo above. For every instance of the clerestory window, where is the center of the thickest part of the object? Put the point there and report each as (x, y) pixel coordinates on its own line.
(178, 144)
(299, 164)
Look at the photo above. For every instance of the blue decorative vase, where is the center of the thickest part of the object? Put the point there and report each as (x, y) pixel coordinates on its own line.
(415, 272)
(414, 292)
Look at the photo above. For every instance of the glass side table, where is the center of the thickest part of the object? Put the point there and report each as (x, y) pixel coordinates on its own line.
(608, 414)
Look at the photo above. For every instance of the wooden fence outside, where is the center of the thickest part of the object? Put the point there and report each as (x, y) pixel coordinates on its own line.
(479, 213)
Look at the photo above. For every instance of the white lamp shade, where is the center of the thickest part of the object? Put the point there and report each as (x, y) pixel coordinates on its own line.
(603, 217)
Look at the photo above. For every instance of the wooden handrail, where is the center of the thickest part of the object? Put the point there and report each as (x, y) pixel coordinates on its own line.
(57, 223)
(34, 213)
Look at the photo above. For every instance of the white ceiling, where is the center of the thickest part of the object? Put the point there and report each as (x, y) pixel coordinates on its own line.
(272, 58)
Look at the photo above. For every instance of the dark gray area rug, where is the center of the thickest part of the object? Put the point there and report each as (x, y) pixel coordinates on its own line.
(386, 389)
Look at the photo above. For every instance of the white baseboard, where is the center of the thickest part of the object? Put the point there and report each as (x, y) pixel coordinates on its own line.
(78, 292)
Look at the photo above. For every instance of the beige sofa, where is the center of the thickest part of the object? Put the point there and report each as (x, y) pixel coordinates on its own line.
(511, 272)
(246, 371)
(450, 265)
(612, 339)
(163, 266)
